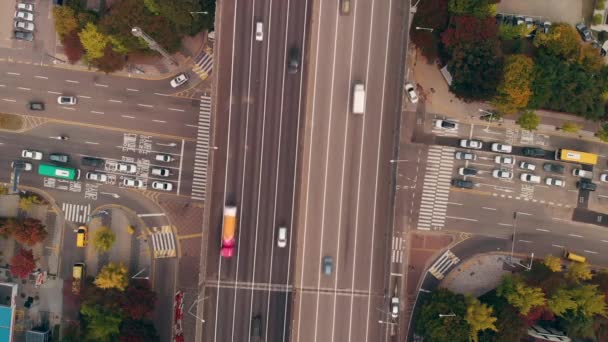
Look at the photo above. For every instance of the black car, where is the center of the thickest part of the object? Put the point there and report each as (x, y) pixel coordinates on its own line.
(92, 161)
(59, 157)
(555, 168)
(293, 65)
(21, 35)
(585, 184)
(36, 106)
(533, 152)
(256, 326)
(461, 183)
(467, 171)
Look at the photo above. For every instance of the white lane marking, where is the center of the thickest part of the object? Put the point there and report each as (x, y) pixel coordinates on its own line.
(558, 246)
(101, 85)
(160, 94)
(42, 77)
(486, 208)
(23, 88)
(96, 112)
(543, 230)
(130, 89)
(461, 218)
(151, 215)
(85, 97)
(91, 143)
(128, 116)
(145, 105)
(525, 241)
(606, 241)
(176, 110)
(54, 92)
(179, 175)
(2, 85)
(9, 100)
(160, 121)
(559, 219)
(590, 252)
(69, 108)
(193, 126)
(575, 235)
(115, 101)
(451, 203)
(520, 213)
(13, 73)
(71, 81)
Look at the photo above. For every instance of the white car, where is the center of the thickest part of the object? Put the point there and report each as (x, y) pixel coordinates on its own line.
(259, 31)
(474, 144)
(163, 186)
(527, 166)
(460, 155)
(179, 80)
(132, 183)
(31, 154)
(24, 25)
(446, 124)
(604, 177)
(126, 168)
(502, 148)
(282, 237)
(411, 92)
(555, 182)
(25, 7)
(582, 173)
(66, 100)
(96, 176)
(27, 16)
(502, 174)
(25, 166)
(504, 160)
(161, 172)
(395, 307)
(530, 178)
(163, 157)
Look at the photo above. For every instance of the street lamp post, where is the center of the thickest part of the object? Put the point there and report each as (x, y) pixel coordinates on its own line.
(513, 240)
(491, 116)
(138, 273)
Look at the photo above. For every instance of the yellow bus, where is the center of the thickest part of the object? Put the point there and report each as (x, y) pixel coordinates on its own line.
(574, 257)
(576, 156)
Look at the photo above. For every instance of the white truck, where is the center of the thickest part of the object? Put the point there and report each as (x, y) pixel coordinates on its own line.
(359, 98)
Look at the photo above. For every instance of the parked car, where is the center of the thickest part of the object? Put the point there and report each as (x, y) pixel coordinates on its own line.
(97, 176)
(22, 35)
(126, 168)
(461, 183)
(533, 152)
(25, 7)
(460, 155)
(502, 148)
(555, 182)
(446, 124)
(163, 157)
(24, 25)
(604, 177)
(66, 100)
(467, 171)
(582, 173)
(163, 186)
(22, 15)
(160, 171)
(92, 161)
(395, 307)
(31, 154)
(586, 184)
(179, 80)
(502, 174)
(293, 63)
(555, 168)
(59, 157)
(23, 165)
(546, 26)
(504, 160)
(469, 143)
(132, 183)
(584, 32)
(411, 92)
(36, 106)
(529, 178)
(527, 166)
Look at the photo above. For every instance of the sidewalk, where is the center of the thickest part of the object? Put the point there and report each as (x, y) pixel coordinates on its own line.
(433, 89)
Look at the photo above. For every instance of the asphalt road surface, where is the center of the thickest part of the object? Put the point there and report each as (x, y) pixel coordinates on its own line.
(258, 112)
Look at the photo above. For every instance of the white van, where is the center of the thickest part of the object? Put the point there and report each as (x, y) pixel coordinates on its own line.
(259, 31)
(282, 237)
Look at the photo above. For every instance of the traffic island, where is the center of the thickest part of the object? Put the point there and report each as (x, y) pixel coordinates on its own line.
(11, 122)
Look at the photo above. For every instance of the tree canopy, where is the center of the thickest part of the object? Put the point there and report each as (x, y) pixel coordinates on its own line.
(476, 70)
(447, 328)
(102, 325)
(103, 239)
(518, 294)
(22, 263)
(480, 317)
(429, 14)
(112, 276)
(514, 90)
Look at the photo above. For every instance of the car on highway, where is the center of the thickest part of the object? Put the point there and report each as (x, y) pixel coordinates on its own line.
(328, 265)
(461, 155)
(282, 237)
(163, 157)
(502, 148)
(97, 176)
(36, 106)
(24, 25)
(59, 157)
(92, 161)
(126, 168)
(502, 174)
(31, 154)
(467, 171)
(446, 124)
(395, 307)
(461, 183)
(160, 171)
(411, 92)
(23, 165)
(22, 35)
(344, 7)
(504, 160)
(469, 143)
(586, 184)
(555, 182)
(527, 166)
(22, 15)
(293, 63)
(179, 80)
(604, 177)
(259, 31)
(582, 173)
(256, 326)
(162, 186)
(25, 7)
(533, 152)
(132, 183)
(555, 168)
(66, 100)
(529, 178)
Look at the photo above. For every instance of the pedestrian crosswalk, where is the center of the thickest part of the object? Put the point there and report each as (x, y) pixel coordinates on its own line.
(78, 213)
(443, 264)
(204, 66)
(199, 181)
(398, 247)
(436, 188)
(163, 242)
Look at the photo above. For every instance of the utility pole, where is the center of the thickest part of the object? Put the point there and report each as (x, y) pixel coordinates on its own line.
(152, 44)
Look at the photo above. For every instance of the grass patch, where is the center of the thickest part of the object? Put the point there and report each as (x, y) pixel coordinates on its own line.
(11, 122)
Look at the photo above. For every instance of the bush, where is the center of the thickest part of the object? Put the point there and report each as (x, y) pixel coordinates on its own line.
(597, 19)
(528, 120)
(570, 127)
(600, 4)
(26, 201)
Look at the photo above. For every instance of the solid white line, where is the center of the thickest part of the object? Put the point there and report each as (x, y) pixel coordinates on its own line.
(151, 215)
(193, 126)
(22, 88)
(13, 73)
(606, 241)
(181, 161)
(542, 230)
(486, 208)
(520, 213)
(69, 108)
(101, 85)
(525, 241)
(454, 203)
(588, 251)
(91, 143)
(160, 121)
(145, 105)
(176, 110)
(83, 96)
(2, 85)
(505, 224)
(575, 235)
(558, 246)
(9, 100)
(129, 89)
(160, 94)
(70, 81)
(461, 218)
(128, 116)
(96, 112)
(42, 77)
(115, 101)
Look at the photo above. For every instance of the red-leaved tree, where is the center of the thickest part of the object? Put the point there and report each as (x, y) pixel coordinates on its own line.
(29, 232)
(22, 263)
(467, 30)
(138, 300)
(73, 47)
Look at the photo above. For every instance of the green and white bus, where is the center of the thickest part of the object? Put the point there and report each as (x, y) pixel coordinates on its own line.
(58, 172)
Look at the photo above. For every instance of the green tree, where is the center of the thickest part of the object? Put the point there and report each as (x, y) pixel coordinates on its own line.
(518, 294)
(476, 70)
(112, 276)
(602, 133)
(437, 329)
(570, 127)
(65, 20)
(510, 325)
(576, 326)
(138, 330)
(562, 40)
(578, 271)
(553, 263)
(597, 19)
(110, 61)
(479, 316)
(103, 239)
(26, 202)
(93, 41)
(589, 301)
(102, 325)
(528, 120)
(511, 32)
(514, 91)
(478, 8)
(561, 301)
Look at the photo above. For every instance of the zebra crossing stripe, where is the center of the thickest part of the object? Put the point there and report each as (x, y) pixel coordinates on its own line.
(199, 181)
(163, 243)
(78, 213)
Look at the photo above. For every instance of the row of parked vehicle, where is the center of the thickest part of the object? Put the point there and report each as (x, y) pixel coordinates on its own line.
(24, 21)
(534, 25)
